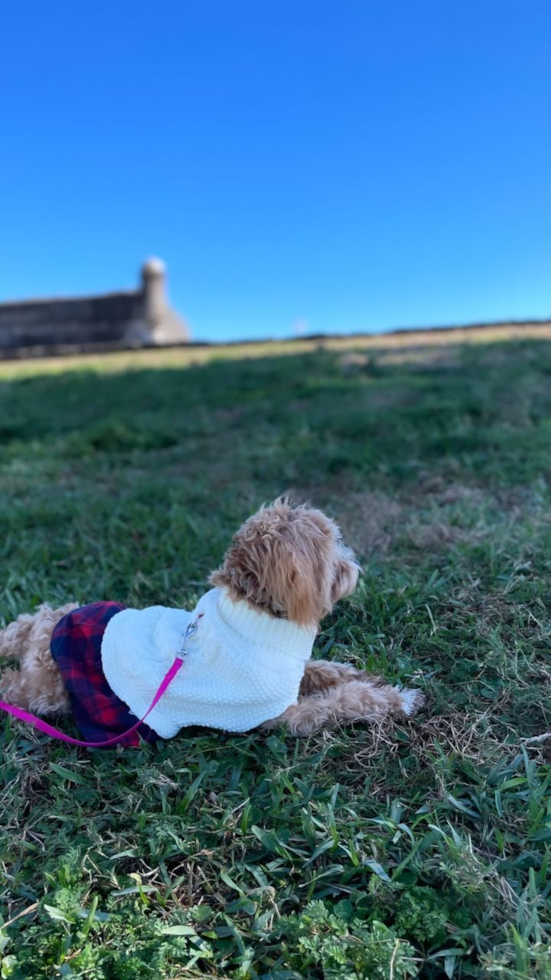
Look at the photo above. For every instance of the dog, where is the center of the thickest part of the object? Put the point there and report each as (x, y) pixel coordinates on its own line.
(247, 654)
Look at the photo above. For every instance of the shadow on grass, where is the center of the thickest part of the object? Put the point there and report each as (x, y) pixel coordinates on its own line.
(297, 419)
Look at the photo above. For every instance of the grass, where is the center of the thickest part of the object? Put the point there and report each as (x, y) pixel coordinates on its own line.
(418, 850)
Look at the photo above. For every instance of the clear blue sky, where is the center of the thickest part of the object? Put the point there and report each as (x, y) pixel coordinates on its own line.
(328, 165)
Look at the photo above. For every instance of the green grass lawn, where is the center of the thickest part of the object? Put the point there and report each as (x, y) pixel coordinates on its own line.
(417, 850)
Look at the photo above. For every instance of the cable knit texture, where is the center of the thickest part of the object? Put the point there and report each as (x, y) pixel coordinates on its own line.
(241, 668)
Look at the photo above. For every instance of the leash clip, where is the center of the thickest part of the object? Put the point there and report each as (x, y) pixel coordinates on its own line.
(189, 633)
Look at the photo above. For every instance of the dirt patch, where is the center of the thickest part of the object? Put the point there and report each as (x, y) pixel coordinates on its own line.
(436, 489)
(465, 735)
(518, 500)
(354, 359)
(372, 522)
(425, 516)
(447, 357)
(369, 521)
(354, 362)
(458, 492)
(435, 535)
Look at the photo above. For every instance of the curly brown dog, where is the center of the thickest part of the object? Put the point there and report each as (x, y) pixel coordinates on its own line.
(248, 665)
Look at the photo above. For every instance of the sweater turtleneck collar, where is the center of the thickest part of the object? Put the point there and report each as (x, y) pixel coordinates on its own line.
(262, 628)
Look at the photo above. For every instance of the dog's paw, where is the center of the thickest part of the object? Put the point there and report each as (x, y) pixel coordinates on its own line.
(411, 700)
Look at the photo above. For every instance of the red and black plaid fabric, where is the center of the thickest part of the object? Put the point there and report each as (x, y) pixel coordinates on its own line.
(76, 649)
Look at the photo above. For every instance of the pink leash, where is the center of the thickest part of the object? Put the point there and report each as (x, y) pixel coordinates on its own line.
(43, 726)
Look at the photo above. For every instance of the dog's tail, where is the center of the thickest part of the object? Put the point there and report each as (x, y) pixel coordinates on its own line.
(16, 637)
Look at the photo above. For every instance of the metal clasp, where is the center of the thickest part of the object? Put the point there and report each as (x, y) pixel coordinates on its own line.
(189, 633)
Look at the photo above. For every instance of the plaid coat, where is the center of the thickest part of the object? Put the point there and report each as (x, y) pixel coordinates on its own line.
(76, 649)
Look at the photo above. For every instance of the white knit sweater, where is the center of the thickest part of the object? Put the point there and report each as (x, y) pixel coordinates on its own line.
(241, 668)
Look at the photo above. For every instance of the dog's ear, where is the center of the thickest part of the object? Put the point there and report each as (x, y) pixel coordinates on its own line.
(240, 572)
(345, 576)
(280, 565)
(276, 574)
(297, 578)
(288, 561)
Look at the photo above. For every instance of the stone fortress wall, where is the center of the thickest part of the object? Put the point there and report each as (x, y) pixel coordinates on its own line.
(133, 318)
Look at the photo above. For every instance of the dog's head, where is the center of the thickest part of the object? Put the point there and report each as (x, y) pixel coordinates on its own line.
(289, 561)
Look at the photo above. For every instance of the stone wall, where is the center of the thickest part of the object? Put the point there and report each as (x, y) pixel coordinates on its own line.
(137, 318)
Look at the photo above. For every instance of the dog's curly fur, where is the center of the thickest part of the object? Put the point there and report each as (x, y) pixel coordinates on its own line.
(287, 561)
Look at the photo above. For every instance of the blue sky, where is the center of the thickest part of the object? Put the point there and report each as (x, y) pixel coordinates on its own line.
(318, 165)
